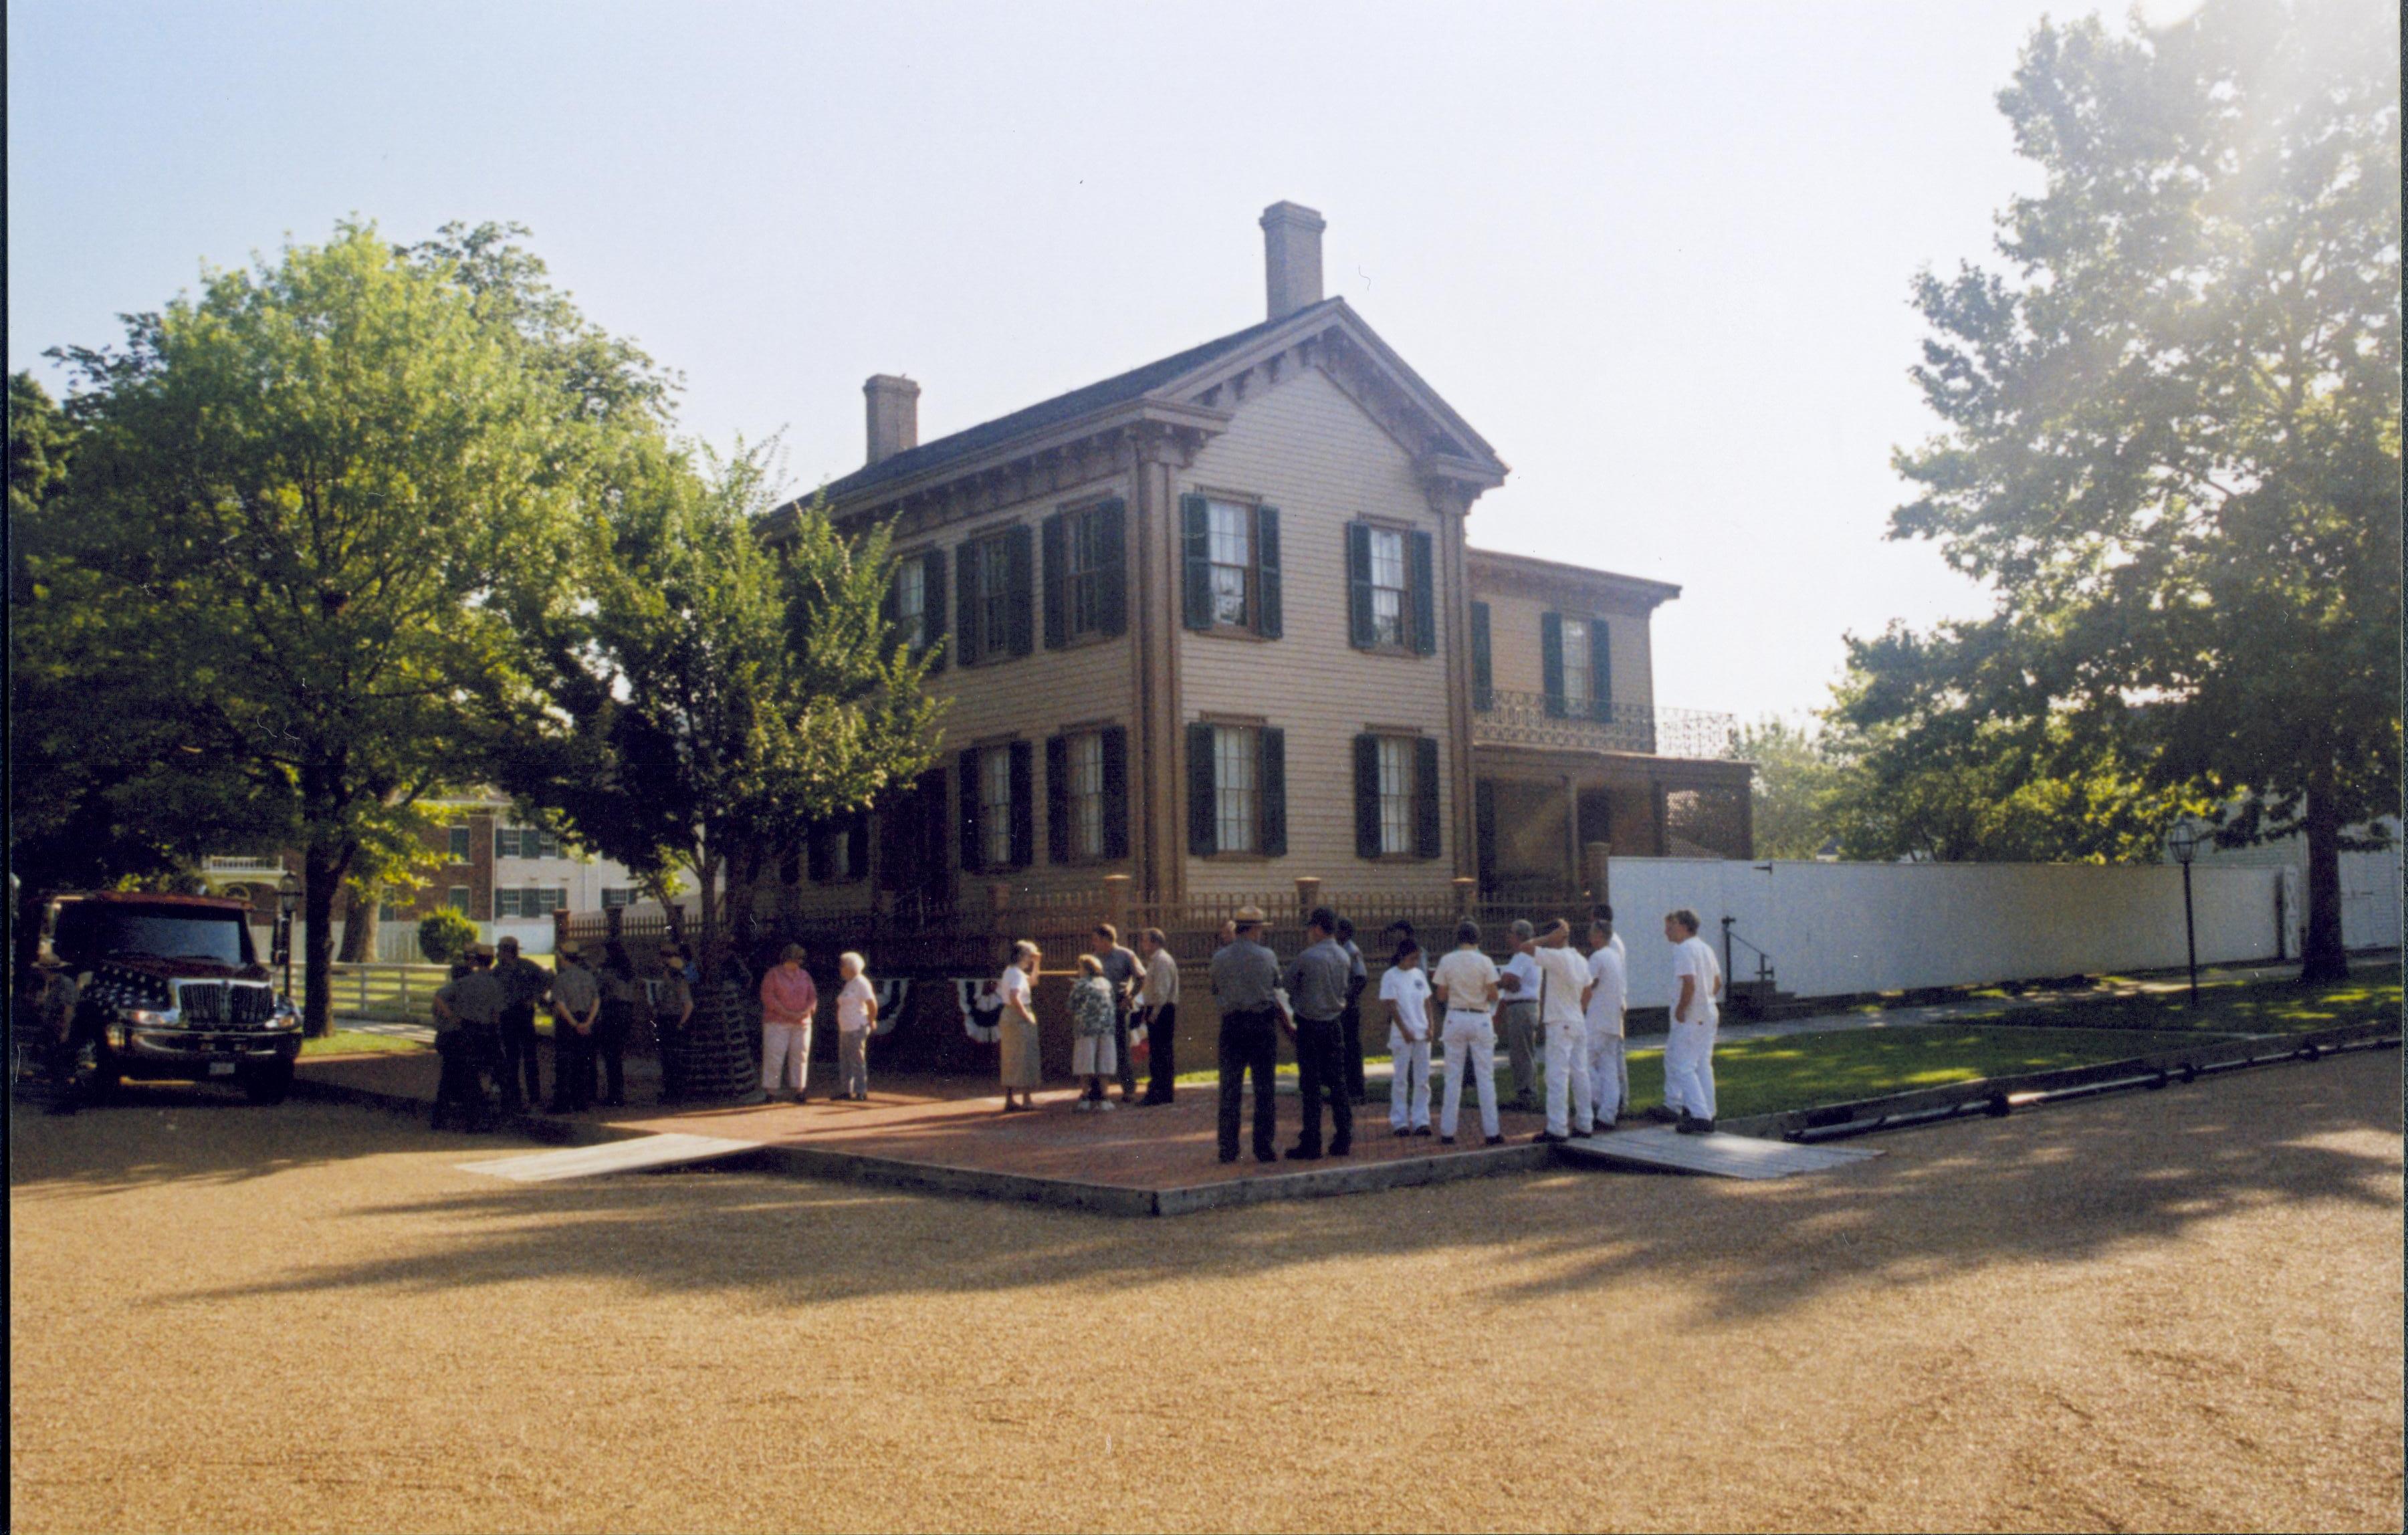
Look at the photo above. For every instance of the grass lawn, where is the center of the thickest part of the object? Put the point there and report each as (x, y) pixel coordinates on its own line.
(344, 1041)
(2370, 995)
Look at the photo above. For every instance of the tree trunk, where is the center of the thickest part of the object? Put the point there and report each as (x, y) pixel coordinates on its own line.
(705, 955)
(2323, 957)
(322, 874)
(359, 929)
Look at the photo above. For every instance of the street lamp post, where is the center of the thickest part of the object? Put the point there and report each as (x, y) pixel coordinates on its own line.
(288, 900)
(2183, 843)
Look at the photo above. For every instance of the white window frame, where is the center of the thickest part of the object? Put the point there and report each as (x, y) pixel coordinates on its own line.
(1391, 589)
(1234, 562)
(1399, 794)
(1236, 788)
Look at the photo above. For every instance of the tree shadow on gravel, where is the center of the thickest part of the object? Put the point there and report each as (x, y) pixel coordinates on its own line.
(2052, 1185)
(169, 1132)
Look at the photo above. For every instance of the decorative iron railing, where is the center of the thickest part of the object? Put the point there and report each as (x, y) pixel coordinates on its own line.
(1538, 719)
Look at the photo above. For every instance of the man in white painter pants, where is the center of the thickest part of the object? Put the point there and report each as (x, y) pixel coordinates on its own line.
(1689, 1051)
(1466, 982)
(1564, 981)
(1609, 996)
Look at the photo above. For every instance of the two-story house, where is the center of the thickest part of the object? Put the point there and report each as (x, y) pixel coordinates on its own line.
(1214, 623)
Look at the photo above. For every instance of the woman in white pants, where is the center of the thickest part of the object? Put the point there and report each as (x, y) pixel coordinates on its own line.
(1689, 1050)
(1466, 982)
(788, 1000)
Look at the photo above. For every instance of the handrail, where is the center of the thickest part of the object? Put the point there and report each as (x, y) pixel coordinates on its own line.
(1763, 960)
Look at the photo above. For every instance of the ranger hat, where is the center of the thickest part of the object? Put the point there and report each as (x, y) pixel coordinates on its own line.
(1250, 916)
(568, 946)
(480, 950)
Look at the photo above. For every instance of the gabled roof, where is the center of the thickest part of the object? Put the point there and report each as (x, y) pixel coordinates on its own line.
(1118, 389)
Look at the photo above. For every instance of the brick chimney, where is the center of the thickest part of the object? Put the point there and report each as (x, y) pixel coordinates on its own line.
(894, 414)
(1291, 257)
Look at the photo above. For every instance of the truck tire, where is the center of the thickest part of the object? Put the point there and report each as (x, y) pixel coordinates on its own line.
(268, 1083)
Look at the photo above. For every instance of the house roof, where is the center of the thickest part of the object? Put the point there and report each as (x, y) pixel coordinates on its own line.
(1556, 572)
(1118, 389)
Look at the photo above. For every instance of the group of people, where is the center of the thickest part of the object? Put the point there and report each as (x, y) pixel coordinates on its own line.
(484, 1020)
(1124, 1008)
(1563, 1013)
(790, 1001)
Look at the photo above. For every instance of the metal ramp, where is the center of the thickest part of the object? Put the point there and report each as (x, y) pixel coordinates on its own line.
(634, 1155)
(1663, 1149)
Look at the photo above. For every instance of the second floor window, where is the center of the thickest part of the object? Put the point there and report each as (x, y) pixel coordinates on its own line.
(1086, 573)
(459, 844)
(1389, 587)
(997, 575)
(995, 605)
(911, 605)
(1579, 684)
(1576, 659)
(1391, 603)
(1232, 566)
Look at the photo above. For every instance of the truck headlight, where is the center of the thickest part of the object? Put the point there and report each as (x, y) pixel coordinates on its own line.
(286, 1016)
(147, 1018)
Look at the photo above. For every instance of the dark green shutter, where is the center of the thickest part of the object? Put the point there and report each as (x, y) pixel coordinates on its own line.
(1360, 632)
(1273, 792)
(1023, 805)
(932, 565)
(1366, 796)
(1057, 581)
(1427, 821)
(822, 858)
(1111, 582)
(1203, 820)
(1551, 661)
(1483, 833)
(973, 843)
(969, 630)
(1483, 671)
(1196, 529)
(1116, 839)
(1600, 669)
(856, 836)
(1019, 550)
(1270, 622)
(1424, 596)
(1057, 799)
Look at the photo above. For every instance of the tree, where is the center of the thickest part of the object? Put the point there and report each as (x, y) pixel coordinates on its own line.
(2170, 432)
(1792, 787)
(715, 699)
(310, 505)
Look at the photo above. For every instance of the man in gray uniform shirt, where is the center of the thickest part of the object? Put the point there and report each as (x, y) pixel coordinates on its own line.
(1244, 976)
(1317, 987)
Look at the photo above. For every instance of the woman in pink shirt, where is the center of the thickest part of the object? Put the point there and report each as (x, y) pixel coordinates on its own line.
(788, 999)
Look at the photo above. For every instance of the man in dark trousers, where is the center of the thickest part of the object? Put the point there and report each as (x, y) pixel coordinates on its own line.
(1316, 987)
(525, 983)
(576, 1008)
(1245, 978)
(1122, 970)
(467, 1015)
(1158, 1006)
(1349, 1022)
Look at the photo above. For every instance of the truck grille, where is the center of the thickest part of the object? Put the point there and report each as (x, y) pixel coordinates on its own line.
(210, 1003)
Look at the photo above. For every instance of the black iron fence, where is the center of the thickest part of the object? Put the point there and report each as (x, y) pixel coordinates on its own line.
(1540, 719)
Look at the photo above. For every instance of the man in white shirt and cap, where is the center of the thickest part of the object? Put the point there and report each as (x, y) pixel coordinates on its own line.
(1564, 983)
(1466, 982)
(1689, 1050)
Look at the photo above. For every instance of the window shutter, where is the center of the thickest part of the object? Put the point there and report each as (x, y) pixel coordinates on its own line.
(1428, 818)
(1366, 796)
(1112, 550)
(1270, 622)
(1057, 581)
(1023, 805)
(1116, 839)
(1483, 669)
(889, 613)
(856, 836)
(1196, 529)
(932, 567)
(821, 862)
(1273, 793)
(974, 844)
(1020, 550)
(969, 635)
(1203, 823)
(1600, 668)
(1484, 833)
(1359, 631)
(1057, 799)
(1551, 661)
(1425, 598)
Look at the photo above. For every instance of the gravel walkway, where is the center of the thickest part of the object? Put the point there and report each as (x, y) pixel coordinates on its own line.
(2176, 1310)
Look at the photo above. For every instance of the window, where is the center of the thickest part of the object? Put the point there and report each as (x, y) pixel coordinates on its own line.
(458, 842)
(1388, 588)
(911, 605)
(531, 901)
(997, 577)
(1235, 753)
(1398, 798)
(1233, 564)
(1087, 796)
(457, 898)
(1086, 760)
(995, 605)
(995, 807)
(389, 911)
(1085, 573)
(617, 895)
(1578, 684)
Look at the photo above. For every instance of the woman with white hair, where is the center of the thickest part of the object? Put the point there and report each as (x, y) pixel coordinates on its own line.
(856, 1016)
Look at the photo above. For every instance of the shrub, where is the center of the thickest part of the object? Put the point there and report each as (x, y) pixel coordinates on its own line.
(444, 937)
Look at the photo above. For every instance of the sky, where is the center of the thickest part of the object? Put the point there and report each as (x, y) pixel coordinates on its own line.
(1659, 255)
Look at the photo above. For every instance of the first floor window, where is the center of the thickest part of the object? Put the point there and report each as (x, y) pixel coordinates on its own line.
(1400, 795)
(617, 895)
(1086, 763)
(994, 807)
(389, 911)
(1237, 756)
(457, 898)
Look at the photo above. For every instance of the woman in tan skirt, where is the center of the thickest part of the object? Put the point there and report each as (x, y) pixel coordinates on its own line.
(1016, 1026)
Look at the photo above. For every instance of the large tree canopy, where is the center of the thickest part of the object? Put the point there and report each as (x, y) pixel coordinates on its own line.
(307, 507)
(2172, 435)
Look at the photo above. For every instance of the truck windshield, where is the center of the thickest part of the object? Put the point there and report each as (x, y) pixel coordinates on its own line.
(88, 931)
